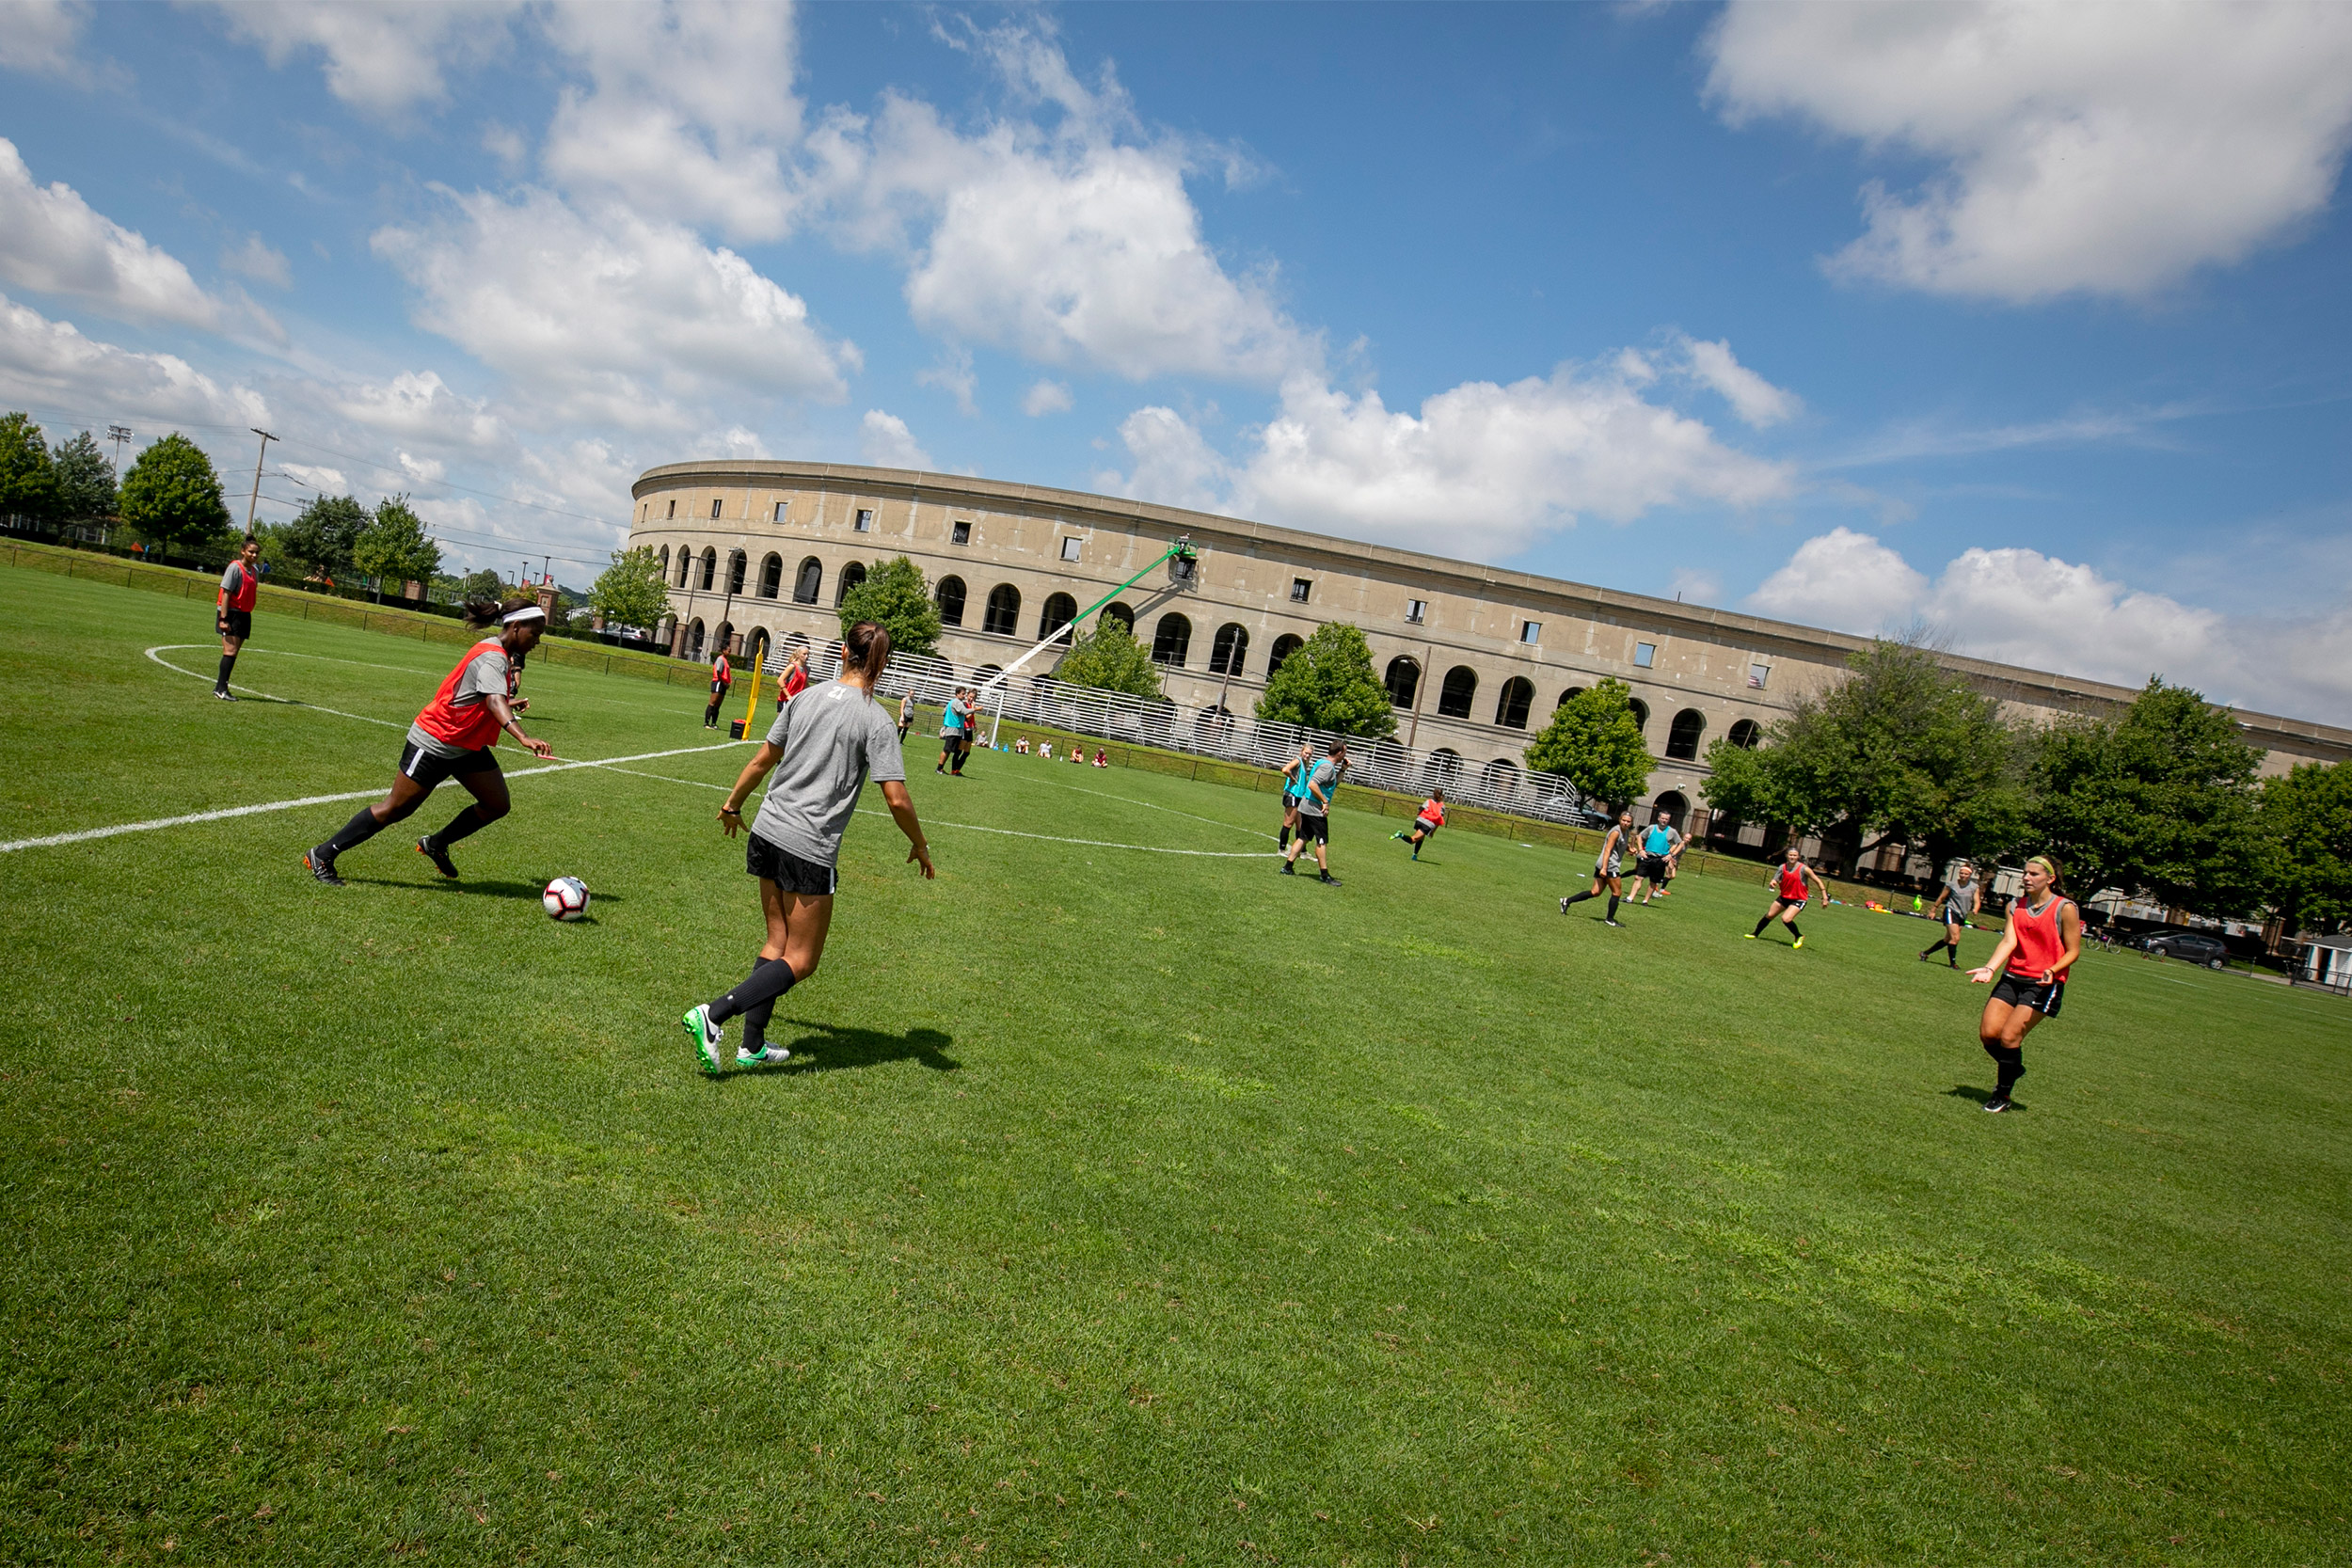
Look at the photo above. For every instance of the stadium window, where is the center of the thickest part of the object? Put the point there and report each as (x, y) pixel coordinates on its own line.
(710, 568)
(1454, 697)
(672, 506)
(949, 596)
(770, 575)
(779, 513)
(1644, 655)
(1444, 765)
(1641, 712)
(1416, 611)
(1171, 641)
(806, 583)
(736, 565)
(715, 504)
(1758, 676)
(1121, 614)
(864, 523)
(958, 533)
(1071, 547)
(666, 563)
(1531, 631)
(1570, 695)
(1285, 645)
(1518, 695)
(1300, 588)
(1404, 681)
(852, 574)
(1230, 651)
(1745, 734)
(1003, 615)
(1682, 740)
(1060, 610)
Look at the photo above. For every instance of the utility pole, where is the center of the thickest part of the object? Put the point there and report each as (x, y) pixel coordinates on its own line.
(257, 460)
(117, 434)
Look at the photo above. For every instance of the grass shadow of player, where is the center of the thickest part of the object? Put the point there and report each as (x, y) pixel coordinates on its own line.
(481, 890)
(832, 1048)
(1969, 1091)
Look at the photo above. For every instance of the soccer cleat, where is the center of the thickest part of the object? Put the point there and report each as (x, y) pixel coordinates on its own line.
(224, 694)
(1998, 1102)
(707, 1037)
(1751, 936)
(1289, 869)
(767, 1056)
(1564, 906)
(322, 866)
(1618, 923)
(1326, 879)
(439, 856)
(1794, 946)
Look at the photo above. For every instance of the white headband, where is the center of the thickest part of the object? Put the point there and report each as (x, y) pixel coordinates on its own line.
(528, 613)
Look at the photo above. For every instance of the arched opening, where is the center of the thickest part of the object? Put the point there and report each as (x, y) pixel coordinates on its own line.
(1641, 712)
(738, 564)
(1570, 695)
(1171, 640)
(1745, 734)
(949, 595)
(1674, 804)
(1501, 777)
(1682, 740)
(666, 563)
(1121, 614)
(770, 575)
(808, 581)
(723, 641)
(695, 638)
(1285, 645)
(710, 570)
(755, 648)
(1518, 695)
(1455, 695)
(1060, 610)
(685, 567)
(1230, 650)
(1003, 615)
(1404, 681)
(1443, 767)
(852, 574)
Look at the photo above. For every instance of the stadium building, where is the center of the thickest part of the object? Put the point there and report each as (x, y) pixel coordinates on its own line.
(758, 553)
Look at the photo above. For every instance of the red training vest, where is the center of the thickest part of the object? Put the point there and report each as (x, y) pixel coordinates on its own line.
(1791, 883)
(1433, 811)
(719, 673)
(248, 590)
(473, 726)
(2039, 942)
(795, 682)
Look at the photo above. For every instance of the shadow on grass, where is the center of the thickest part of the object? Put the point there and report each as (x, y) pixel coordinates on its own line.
(832, 1048)
(1969, 1091)
(482, 890)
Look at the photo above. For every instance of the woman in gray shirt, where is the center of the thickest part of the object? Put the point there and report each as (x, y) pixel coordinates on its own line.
(823, 748)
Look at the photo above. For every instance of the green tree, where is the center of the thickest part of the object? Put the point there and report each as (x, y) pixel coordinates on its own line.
(1110, 659)
(85, 480)
(1594, 744)
(483, 585)
(1901, 751)
(171, 495)
(1328, 684)
(2305, 818)
(895, 596)
(28, 479)
(324, 533)
(2159, 800)
(631, 592)
(394, 549)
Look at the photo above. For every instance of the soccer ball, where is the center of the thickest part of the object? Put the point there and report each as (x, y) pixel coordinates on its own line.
(566, 899)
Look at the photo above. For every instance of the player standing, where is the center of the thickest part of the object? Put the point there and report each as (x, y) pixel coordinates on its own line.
(1321, 779)
(906, 715)
(794, 680)
(1955, 901)
(823, 749)
(1608, 868)
(951, 731)
(1426, 822)
(1788, 898)
(721, 679)
(1660, 842)
(233, 611)
(453, 738)
(2044, 939)
(1294, 786)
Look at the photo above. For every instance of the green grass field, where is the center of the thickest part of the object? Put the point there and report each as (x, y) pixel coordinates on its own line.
(1117, 1206)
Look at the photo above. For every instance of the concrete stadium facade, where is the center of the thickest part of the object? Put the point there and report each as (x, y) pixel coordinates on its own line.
(1476, 656)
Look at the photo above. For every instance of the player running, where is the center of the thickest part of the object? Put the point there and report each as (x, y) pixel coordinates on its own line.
(1426, 822)
(1789, 900)
(1956, 900)
(1321, 779)
(2044, 939)
(1608, 869)
(1660, 844)
(453, 738)
(233, 611)
(721, 679)
(823, 748)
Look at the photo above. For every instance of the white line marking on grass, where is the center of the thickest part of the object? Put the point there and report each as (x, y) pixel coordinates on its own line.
(1129, 800)
(192, 819)
(162, 648)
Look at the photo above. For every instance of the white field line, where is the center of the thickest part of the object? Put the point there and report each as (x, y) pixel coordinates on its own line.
(156, 652)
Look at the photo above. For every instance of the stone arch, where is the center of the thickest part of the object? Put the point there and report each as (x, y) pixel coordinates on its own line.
(1460, 688)
(1674, 804)
(1285, 645)
(1745, 734)
(1518, 695)
(949, 595)
(1443, 767)
(809, 581)
(666, 563)
(695, 638)
(849, 577)
(1682, 740)
(770, 575)
(738, 564)
(685, 567)
(1121, 614)
(1171, 640)
(710, 570)
(1641, 712)
(1231, 651)
(1060, 610)
(1500, 777)
(755, 647)
(1003, 614)
(1402, 680)
(1570, 695)
(723, 639)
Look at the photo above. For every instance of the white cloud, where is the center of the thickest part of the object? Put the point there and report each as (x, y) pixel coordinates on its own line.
(418, 406)
(1755, 400)
(1046, 397)
(256, 259)
(381, 56)
(612, 318)
(885, 442)
(1173, 464)
(38, 36)
(1845, 580)
(505, 144)
(953, 375)
(1696, 586)
(44, 361)
(425, 470)
(323, 480)
(53, 243)
(2097, 147)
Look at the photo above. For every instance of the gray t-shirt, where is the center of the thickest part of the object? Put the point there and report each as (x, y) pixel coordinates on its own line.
(1318, 780)
(482, 677)
(834, 738)
(232, 580)
(1960, 898)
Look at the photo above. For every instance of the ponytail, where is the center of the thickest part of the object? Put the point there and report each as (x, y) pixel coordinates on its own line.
(866, 647)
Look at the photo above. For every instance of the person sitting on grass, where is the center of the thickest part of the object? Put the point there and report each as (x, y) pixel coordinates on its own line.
(1046, 749)
(1021, 746)
(1101, 757)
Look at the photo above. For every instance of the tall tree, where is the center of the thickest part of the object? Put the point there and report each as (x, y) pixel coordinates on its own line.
(172, 496)
(1902, 749)
(482, 584)
(1110, 659)
(394, 547)
(630, 590)
(324, 533)
(1594, 742)
(85, 480)
(2159, 800)
(28, 479)
(1328, 684)
(2305, 819)
(895, 596)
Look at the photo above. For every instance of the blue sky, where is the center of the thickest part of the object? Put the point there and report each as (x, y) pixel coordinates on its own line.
(2027, 322)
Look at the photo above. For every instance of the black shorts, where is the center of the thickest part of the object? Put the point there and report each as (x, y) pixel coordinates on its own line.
(429, 770)
(1312, 829)
(1953, 921)
(2022, 990)
(787, 871)
(1652, 866)
(719, 690)
(238, 622)
(1422, 825)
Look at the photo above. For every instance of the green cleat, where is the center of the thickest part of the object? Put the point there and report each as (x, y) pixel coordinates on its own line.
(707, 1037)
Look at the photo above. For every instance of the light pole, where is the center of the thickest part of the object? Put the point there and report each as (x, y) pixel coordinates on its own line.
(259, 458)
(117, 434)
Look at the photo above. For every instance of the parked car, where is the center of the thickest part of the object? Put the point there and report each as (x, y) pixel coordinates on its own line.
(2195, 946)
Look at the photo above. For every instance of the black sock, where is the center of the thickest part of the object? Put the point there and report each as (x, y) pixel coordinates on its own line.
(361, 828)
(755, 1016)
(766, 982)
(1578, 897)
(1761, 925)
(464, 825)
(1794, 931)
(1992, 1049)
(1932, 951)
(227, 662)
(2012, 1067)
(1282, 839)
(1613, 907)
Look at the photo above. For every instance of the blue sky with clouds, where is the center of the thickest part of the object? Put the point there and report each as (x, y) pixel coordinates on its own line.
(2027, 322)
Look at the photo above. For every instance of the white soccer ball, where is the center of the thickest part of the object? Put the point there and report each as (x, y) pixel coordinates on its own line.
(566, 899)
